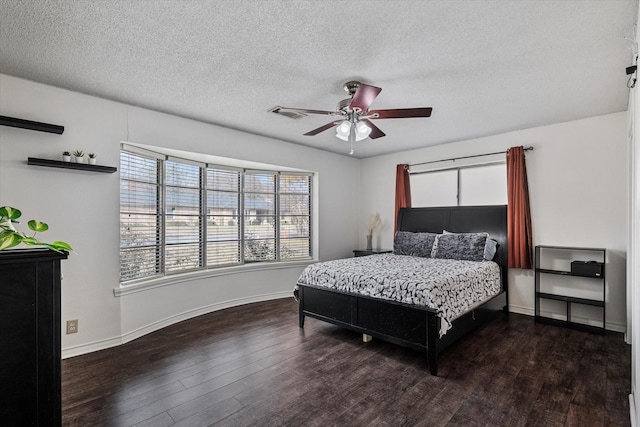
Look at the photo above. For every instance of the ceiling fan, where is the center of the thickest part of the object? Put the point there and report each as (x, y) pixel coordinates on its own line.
(355, 123)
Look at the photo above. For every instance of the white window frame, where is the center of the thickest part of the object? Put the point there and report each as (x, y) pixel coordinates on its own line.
(458, 168)
(161, 212)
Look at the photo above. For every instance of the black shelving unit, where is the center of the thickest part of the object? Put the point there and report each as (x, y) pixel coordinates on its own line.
(68, 165)
(540, 273)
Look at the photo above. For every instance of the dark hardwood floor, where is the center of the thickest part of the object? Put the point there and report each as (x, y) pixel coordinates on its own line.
(252, 365)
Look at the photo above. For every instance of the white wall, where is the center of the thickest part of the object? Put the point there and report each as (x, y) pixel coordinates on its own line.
(578, 184)
(633, 293)
(633, 267)
(82, 207)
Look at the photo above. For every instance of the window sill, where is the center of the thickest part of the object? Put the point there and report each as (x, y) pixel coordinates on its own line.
(203, 274)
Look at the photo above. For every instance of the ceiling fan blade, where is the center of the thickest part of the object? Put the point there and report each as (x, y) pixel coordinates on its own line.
(303, 111)
(402, 113)
(375, 130)
(364, 96)
(321, 129)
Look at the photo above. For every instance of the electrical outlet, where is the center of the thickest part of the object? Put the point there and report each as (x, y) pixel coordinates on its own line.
(72, 326)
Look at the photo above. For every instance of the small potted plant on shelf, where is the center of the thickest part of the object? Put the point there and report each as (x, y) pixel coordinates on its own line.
(92, 158)
(66, 156)
(79, 155)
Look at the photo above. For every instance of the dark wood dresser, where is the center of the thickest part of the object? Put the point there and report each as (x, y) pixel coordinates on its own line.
(30, 329)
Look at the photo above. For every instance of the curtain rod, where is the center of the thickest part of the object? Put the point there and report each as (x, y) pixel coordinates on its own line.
(465, 157)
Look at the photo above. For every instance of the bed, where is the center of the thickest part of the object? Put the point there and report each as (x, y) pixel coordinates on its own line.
(410, 321)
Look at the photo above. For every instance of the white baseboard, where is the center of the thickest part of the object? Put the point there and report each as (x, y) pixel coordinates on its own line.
(162, 323)
(617, 327)
(521, 310)
(611, 326)
(90, 347)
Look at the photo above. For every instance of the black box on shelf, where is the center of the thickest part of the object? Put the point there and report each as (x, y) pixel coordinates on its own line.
(587, 268)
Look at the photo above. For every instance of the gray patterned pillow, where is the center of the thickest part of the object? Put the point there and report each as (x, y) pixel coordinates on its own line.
(466, 246)
(490, 248)
(414, 244)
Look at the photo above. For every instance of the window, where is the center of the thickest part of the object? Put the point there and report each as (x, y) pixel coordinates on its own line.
(179, 216)
(295, 216)
(483, 185)
(183, 222)
(438, 188)
(140, 241)
(259, 216)
(463, 186)
(223, 226)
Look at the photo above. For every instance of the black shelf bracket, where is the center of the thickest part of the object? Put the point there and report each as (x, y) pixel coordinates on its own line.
(68, 165)
(28, 124)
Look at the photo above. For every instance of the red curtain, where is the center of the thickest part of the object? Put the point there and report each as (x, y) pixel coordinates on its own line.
(519, 236)
(403, 192)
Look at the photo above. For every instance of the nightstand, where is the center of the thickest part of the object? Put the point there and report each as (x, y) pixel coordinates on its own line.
(365, 252)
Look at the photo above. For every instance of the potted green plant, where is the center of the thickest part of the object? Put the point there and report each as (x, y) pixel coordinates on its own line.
(10, 237)
(79, 155)
(92, 158)
(66, 156)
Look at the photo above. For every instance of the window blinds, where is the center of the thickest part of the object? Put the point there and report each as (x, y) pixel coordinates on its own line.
(183, 223)
(178, 216)
(295, 216)
(140, 201)
(223, 223)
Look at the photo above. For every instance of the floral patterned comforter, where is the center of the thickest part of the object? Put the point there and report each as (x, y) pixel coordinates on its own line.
(451, 287)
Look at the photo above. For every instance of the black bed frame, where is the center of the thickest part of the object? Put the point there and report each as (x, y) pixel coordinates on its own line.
(409, 325)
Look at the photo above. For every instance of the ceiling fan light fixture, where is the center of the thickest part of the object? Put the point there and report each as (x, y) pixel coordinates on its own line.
(355, 122)
(362, 131)
(343, 130)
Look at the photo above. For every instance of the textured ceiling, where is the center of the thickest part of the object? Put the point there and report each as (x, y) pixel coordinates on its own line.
(486, 67)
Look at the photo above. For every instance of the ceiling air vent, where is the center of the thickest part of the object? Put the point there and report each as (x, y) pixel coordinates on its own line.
(287, 113)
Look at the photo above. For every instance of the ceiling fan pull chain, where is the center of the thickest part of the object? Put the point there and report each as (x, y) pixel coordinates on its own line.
(352, 136)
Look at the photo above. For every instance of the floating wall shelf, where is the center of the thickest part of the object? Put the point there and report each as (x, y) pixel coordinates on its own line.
(28, 124)
(68, 165)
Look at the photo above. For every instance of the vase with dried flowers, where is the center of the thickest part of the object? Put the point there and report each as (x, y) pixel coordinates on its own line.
(374, 224)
